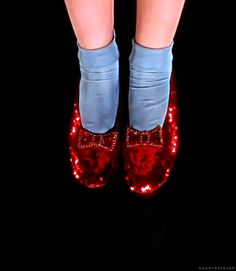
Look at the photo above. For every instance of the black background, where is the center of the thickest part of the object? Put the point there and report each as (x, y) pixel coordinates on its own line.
(189, 222)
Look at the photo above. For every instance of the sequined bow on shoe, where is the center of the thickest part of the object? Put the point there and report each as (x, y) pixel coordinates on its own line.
(144, 138)
(150, 155)
(94, 157)
(105, 141)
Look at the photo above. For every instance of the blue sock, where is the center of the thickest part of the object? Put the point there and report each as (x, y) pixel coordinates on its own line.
(150, 71)
(99, 87)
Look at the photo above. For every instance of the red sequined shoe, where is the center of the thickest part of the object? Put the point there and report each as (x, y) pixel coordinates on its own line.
(150, 155)
(94, 157)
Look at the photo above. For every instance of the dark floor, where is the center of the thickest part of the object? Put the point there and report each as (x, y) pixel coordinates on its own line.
(188, 224)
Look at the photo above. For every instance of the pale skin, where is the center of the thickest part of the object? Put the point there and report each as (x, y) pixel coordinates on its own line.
(93, 22)
(157, 21)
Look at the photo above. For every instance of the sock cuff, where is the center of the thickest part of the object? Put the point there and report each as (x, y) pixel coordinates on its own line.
(100, 57)
(151, 58)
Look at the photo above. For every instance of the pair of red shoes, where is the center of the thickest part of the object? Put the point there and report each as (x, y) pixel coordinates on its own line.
(149, 156)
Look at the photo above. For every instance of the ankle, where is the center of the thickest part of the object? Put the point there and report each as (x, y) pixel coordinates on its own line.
(151, 59)
(100, 57)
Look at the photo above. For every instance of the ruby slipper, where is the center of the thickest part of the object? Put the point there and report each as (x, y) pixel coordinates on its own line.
(149, 156)
(93, 157)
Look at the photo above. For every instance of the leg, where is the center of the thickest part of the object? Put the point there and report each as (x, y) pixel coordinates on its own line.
(157, 21)
(151, 62)
(93, 23)
(93, 154)
(147, 165)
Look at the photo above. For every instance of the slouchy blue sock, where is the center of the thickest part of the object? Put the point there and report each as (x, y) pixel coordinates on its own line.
(150, 71)
(99, 87)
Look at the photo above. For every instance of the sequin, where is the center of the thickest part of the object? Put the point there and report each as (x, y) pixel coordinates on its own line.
(150, 155)
(93, 157)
